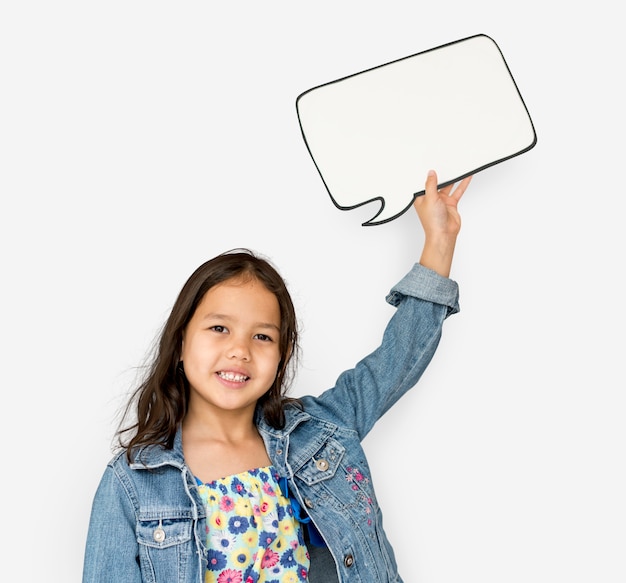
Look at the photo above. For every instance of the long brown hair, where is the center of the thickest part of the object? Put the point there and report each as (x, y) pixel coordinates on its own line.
(160, 401)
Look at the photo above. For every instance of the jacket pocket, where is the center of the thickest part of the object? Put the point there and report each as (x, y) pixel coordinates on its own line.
(164, 533)
(166, 553)
(323, 464)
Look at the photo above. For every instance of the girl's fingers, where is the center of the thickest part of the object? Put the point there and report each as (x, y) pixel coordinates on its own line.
(457, 193)
(431, 182)
(461, 188)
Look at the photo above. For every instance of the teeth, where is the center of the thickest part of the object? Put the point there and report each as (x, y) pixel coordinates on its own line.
(231, 376)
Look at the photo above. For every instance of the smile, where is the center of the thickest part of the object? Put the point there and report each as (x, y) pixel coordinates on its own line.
(233, 377)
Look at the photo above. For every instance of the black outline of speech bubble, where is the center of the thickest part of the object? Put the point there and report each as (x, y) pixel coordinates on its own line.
(381, 199)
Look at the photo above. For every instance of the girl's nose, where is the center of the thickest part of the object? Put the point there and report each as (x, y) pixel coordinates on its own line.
(239, 350)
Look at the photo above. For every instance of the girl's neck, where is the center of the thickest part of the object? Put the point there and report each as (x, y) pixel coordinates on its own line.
(216, 446)
(228, 427)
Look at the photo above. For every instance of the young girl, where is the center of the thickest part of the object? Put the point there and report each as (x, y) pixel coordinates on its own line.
(221, 477)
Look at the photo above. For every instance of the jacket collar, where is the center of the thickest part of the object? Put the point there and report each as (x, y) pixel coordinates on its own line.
(294, 415)
(156, 456)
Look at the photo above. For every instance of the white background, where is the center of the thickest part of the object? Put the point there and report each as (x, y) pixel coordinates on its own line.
(138, 139)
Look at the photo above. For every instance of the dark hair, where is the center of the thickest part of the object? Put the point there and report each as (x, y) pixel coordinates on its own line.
(160, 401)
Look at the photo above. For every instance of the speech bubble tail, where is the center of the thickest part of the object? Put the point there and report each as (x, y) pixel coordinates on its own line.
(388, 212)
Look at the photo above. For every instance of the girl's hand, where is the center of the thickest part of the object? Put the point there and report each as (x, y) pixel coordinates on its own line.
(437, 211)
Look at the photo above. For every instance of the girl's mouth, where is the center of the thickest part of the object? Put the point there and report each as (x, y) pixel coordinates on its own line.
(233, 377)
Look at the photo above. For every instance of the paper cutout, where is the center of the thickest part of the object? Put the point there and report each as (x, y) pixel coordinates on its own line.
(374, 135)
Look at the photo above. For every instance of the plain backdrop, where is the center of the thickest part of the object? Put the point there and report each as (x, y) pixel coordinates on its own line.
(138, 139)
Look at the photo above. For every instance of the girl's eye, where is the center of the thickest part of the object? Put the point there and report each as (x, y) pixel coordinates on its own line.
(263, 337)
(219, 329)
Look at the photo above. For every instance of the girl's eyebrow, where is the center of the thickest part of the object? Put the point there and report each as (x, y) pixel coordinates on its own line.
(225, 317)
(216, 316)
(268, 326)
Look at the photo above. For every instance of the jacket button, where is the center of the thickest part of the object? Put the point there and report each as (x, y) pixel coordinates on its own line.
(158, 535)
(308, 503)
(322, 465)
(348, 560)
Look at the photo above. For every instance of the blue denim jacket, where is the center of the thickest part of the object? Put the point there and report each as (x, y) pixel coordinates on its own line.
(148, 523)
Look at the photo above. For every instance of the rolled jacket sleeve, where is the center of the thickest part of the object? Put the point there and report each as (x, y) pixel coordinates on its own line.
(428, 285)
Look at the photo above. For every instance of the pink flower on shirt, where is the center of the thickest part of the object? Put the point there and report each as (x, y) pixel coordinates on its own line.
(226, 503)
(229, 576)
(270, 558)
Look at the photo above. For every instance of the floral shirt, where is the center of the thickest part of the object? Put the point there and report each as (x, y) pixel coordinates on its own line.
(252, 535)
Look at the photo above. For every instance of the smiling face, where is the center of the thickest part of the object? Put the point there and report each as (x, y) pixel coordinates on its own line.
(231, 348)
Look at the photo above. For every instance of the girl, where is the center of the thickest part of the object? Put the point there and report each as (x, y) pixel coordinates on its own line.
(221, 477)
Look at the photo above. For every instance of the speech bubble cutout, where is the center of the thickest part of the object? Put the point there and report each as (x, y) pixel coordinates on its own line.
(374, 135)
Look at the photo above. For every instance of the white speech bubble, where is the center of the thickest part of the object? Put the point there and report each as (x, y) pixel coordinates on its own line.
(374, 135)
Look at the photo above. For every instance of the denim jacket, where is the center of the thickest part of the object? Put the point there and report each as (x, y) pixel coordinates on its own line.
(148, 523)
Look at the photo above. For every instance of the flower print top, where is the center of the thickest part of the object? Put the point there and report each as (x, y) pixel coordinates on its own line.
(252, 534)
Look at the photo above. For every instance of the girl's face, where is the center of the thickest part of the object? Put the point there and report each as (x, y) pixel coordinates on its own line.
(231, 347)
